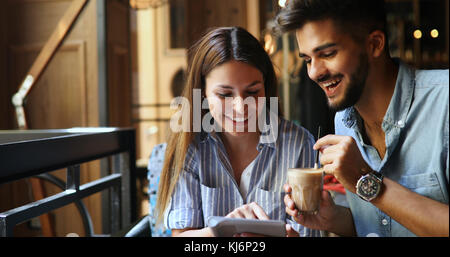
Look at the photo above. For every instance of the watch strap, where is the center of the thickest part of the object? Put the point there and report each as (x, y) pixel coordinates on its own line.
(378, 175)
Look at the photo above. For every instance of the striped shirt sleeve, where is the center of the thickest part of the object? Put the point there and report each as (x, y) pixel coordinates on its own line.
(185, 209)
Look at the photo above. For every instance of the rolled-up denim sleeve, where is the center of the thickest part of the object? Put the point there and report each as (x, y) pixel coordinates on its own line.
(185, 209)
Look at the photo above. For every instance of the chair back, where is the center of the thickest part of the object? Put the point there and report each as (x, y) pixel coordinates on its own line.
(155, 165)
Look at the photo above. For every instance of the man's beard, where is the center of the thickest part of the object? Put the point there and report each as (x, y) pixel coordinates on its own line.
(355, 87)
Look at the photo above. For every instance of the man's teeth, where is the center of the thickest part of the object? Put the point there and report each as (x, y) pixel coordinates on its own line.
(331, 83)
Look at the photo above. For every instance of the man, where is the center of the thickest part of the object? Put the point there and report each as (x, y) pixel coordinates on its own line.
(390, 150)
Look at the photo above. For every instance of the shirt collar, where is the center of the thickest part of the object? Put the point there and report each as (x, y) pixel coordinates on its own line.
(399, 105)
(268, 137)
(402, 98)
(350, 116)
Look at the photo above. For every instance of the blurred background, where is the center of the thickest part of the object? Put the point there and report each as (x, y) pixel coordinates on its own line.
(122, 62)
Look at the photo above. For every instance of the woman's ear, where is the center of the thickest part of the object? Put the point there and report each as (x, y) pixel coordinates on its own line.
(376, 43)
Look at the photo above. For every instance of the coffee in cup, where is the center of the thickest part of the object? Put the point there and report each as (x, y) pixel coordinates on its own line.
(306, 184)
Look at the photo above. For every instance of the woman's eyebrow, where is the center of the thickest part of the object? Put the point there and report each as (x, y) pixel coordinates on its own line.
(225, 86)
(254, 83)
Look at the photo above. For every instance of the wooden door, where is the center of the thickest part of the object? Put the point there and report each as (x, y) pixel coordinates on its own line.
(88, 74)
(203, 14)
(118, 63)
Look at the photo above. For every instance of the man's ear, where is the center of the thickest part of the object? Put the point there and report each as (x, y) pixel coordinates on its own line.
(376, 43)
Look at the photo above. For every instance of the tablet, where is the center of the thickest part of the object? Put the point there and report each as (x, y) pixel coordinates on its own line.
(227, 227)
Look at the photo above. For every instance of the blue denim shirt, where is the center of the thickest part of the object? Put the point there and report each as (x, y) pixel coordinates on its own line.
(417, 155)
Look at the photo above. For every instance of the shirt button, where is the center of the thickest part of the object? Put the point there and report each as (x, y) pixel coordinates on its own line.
(400, 123)
(384, 222)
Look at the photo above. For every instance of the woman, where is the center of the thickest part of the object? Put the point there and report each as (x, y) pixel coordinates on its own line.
(236, 170)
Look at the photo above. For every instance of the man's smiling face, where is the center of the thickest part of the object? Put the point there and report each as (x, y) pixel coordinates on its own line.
(337, 63)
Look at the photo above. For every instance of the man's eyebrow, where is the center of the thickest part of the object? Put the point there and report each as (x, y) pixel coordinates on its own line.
(324, 46)
(319, 48)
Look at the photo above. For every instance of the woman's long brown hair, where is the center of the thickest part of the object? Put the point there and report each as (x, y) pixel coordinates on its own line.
(217, 46)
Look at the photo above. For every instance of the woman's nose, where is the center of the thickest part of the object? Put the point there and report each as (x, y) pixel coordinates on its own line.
(239, 105)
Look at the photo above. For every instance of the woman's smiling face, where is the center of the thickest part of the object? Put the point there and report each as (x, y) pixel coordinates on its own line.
(232, 90)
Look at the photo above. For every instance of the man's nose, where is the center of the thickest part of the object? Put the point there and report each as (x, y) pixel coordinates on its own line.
(317, 69)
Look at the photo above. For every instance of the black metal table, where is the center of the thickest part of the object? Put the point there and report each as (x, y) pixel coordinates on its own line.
(27, 153)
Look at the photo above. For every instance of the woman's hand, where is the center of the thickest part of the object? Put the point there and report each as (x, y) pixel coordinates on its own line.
(249, 211)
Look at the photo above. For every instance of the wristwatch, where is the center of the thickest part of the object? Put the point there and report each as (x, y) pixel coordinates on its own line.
(369, 186)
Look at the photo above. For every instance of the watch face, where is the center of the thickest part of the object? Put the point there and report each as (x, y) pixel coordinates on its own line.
(368, 188)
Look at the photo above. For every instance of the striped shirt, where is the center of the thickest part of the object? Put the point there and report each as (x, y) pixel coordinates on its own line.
(207, 187)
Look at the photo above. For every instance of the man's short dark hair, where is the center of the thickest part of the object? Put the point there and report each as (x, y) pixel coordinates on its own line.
(356, 17)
